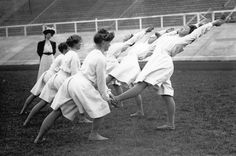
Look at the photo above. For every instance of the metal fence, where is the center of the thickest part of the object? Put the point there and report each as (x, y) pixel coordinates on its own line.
(114, 24)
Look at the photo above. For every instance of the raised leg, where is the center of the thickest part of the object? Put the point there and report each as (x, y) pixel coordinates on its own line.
(118, 90)
(132, 92)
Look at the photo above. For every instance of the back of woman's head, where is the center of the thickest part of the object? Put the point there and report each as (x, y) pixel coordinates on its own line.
(103, 35)
(192, 28)
(62, 46)
(72, 40)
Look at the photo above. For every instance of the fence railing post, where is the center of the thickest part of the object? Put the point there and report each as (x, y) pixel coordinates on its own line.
(6, 31)
(96, 24)
(184, 19)
(140, 19)
(75, 27)
(43, 27)
(198, 17)
(161, 21)
(212, 16)
(25, 31)
(116, 23)
(55, 27)
(140, 24)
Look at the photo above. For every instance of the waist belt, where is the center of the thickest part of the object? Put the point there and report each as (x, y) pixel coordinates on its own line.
(47, 53)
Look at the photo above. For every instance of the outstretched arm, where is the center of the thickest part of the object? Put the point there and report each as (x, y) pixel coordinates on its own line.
(184, 41)
(188, 39)
(138, 36)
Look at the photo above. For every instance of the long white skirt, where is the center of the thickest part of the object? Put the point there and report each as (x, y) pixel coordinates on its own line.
(158, 70)
(128, 70)
(50, 89)
(36, 90)
(45, 63)
(85, 97)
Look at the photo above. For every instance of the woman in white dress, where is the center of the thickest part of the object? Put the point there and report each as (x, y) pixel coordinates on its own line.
(87, 89)
(127, 70)
(54, 68)
(70, 66)
(159, 68)
(46, 50)
(113, 57)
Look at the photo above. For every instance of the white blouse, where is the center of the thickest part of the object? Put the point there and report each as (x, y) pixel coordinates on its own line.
(115, 49)
(172, 44)
(56, 64)
(47, 47)
(94, 69)
(71, 63)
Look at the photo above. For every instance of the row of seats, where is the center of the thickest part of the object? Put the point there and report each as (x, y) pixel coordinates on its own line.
(75, 10)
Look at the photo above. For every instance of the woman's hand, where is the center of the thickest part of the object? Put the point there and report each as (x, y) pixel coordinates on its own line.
(218, 22)
(112, 101)
(149, 29)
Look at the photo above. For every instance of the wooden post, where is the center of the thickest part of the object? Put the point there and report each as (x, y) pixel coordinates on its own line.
(55, 27)
(198, 18)
(75, 27)
(116, 21)
(25, 31)
(212, 16)
(140, 24)
(161, 21)
(96, 24)
(184, 19)
(6, 31)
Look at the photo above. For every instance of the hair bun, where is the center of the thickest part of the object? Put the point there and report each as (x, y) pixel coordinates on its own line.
(192, 28)
(73, 39)
(103, 31)
(103, 35)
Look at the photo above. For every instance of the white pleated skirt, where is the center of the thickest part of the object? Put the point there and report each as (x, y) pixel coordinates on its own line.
(84, 95)
(128, 69)
(36, 90)
(45, 63)
(50, 89)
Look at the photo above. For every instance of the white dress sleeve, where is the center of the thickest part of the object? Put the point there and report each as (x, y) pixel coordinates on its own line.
(188, 39)
(75, 64)
(195, 34)
(136, 37)
(101, 78)
(169, 33)
(162, 32)
(58, 62)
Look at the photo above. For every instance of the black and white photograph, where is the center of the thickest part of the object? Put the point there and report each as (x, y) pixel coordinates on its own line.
(118, 77)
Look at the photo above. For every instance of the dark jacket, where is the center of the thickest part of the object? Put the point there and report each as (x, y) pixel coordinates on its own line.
(40, 48)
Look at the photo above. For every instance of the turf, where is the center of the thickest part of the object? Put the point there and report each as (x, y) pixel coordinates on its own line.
(205, 120)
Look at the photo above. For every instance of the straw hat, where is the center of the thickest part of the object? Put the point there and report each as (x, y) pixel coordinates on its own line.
(49, 30)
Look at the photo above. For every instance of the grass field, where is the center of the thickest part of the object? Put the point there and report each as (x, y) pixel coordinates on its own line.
(205, 120)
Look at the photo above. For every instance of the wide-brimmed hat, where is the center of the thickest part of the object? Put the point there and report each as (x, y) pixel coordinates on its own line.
(49, 30)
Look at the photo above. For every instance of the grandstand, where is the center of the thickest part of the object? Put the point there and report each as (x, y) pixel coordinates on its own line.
(80, 15)
(44, 11)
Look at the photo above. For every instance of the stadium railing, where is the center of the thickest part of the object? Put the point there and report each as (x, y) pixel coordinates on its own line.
(116, 24)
